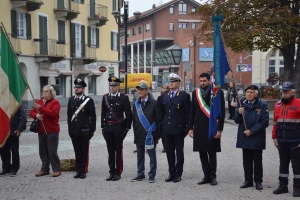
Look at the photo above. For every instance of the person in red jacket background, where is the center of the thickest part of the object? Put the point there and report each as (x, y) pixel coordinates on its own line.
(46, 110)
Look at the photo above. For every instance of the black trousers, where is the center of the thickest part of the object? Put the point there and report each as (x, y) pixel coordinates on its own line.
(231, 110)
(209, 164)
(10, 155)
(114, 143)
(250, 157)
(174, 143)
(81, 149)
(289, 152)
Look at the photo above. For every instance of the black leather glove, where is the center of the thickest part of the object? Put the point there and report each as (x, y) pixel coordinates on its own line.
(125, 133)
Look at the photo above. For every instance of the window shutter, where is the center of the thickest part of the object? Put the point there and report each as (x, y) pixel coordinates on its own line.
(89, 36)
(72, 39)
(14, 32)
(82, 41)
(118, 41)
(112, 40)
(28, 25)
(97, 37)
(82, 1)
(63, 31)
(92, 8)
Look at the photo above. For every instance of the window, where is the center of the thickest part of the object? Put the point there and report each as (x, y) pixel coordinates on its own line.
(193, 25)
(114, 41)
(182, 7)
(93, 37)
(281, 62)
(281, 71)
(134, 31)
(171, 26)
(273, 54)
(171, 9)
(59, 85)
(140, 29)
(147, 27)
(78, 40)
(114, 5)
(20, 24)
(128, 33)
(91, 84)
(182, 25)
(271, 62)
(280, 53)
(193, 9)
(61, 31)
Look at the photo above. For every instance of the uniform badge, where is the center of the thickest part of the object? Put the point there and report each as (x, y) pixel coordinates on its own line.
(258, 111)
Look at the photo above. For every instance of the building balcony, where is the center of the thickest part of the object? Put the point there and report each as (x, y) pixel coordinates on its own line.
(84, 54)
(31, 5)
(49, 50)
(97, 15)
(68, 9)
(16, 43)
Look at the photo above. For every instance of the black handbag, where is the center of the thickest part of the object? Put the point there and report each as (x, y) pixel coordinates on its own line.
(35, 126)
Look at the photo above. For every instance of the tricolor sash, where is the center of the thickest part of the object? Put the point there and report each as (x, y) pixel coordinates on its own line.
(204, 107)
(149, 143)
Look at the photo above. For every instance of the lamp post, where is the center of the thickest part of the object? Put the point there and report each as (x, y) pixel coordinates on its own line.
(116, 14)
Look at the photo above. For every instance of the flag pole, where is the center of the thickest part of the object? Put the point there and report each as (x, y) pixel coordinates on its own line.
(232, 78)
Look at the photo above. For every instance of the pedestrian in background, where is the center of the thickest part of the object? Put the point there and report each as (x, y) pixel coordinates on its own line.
(146, 114)
(115, 126)
(175, 106)
(81, 126)
(10, 151)
(286, 137)
(199, 126)
(231, 94)
(164, 88)
(46, 110)
(251, 135)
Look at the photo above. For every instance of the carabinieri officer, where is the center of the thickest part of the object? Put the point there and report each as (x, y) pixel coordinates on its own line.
(115, 126)
(81, 125)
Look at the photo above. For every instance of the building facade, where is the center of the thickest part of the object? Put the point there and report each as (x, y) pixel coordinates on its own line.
(57, 41)
(165, 39)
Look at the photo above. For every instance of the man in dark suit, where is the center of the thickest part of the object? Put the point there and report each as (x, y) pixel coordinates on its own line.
(199, 127)
(81, 126)
(114, 126)
(10, 151)
(175, 106)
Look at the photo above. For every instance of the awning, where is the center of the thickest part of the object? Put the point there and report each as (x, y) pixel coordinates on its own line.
(65, 72)
(94, 72)
(47, 73)
(81, 71)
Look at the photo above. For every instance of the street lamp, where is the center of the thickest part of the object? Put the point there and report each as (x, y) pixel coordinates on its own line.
(116, 14)
(193, 44)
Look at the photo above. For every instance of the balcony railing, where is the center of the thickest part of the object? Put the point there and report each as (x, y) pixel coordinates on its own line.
(50, 47)
(97, 11)
(15, 42)
(68, 9)
(90, 52)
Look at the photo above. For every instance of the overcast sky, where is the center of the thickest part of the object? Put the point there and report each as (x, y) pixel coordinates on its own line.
(143, 5)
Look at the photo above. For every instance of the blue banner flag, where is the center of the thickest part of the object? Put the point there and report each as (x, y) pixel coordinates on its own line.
(218, 72)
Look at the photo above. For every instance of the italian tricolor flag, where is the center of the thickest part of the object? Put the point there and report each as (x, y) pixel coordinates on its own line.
(12, 86)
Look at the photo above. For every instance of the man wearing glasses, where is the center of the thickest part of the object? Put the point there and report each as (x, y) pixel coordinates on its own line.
(175, 106)
(115, 126)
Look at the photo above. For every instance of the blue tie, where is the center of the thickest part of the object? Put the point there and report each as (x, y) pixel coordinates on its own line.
(172, 95)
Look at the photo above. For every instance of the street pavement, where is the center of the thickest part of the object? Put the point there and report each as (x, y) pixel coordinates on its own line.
(229, 174)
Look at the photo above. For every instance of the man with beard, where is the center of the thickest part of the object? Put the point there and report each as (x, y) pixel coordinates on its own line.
(81, 126)
(286, 137)
(175, 106)
(199, 126)
(114, 126)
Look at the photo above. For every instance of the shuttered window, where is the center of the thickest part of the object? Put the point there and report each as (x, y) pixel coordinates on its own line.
(20, 24)
(61, 31)
(43, 35)
(114, 41)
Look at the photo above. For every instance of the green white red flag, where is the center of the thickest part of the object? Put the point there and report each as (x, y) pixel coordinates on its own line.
(12, 86)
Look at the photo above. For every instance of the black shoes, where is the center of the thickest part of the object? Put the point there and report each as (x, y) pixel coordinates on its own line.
(282, 188)
(110, 177)
(170, 178)
(247, 184)
(176, 179)
(213, 182)
(77, 175)
(258, 186)
(204, 181)
(116, 178)
(138, 178)
(296, 192)
(82, 176)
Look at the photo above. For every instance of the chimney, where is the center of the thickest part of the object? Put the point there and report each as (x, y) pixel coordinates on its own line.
(153, 7)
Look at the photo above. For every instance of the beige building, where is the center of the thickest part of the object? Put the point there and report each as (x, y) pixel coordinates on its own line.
(57, 41)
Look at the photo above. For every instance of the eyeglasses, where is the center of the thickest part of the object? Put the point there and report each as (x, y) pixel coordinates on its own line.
(172, 81)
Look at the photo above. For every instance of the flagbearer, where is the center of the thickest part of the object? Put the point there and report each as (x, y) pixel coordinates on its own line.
(115, 126)
(146, 128)
(175, 106)
(199, 127)
(81, 125)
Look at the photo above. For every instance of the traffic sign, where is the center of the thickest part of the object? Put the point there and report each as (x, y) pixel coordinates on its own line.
(243, 67)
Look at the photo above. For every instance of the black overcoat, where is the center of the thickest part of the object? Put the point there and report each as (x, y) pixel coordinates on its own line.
(199, 122)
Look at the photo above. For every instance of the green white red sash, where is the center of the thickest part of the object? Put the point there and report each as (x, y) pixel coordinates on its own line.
(204, 107)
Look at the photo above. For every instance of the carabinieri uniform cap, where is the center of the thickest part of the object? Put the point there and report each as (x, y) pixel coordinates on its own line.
(251, 87)
(79, 83)
(174, 77)
(286, 86)
(114, 81)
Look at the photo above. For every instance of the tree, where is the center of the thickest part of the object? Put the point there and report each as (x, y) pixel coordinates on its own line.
(258, 25)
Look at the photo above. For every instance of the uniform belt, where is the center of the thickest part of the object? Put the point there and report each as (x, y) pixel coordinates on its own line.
(113, 122)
